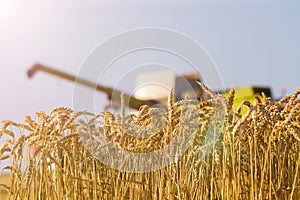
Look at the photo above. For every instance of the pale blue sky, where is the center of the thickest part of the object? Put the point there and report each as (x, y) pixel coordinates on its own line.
(253, 42)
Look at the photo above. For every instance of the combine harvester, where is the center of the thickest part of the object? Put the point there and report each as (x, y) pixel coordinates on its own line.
(184, 86)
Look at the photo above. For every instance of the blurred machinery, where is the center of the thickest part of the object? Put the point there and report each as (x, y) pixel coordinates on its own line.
(154, 87)
(248, 93)
(151, 87)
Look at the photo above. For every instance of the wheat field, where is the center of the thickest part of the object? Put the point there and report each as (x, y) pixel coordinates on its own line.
(251, 155)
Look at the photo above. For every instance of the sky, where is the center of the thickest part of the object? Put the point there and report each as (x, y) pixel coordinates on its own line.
(252, 42)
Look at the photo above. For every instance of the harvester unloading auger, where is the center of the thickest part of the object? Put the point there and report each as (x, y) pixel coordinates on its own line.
(133, 102)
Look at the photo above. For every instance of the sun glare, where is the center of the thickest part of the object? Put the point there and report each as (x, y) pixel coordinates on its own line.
(6, 8)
